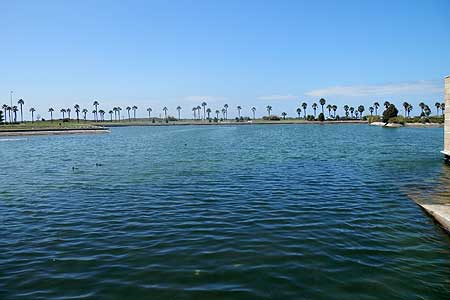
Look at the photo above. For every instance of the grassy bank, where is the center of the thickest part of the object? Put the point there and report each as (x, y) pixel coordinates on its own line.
(48, 125)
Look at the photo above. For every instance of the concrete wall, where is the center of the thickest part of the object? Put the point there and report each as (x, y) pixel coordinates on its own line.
(447, 117)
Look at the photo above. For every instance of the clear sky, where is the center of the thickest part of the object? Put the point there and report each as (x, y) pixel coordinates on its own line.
(248, 53)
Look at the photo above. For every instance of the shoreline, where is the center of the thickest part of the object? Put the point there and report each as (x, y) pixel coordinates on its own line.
(412, 125)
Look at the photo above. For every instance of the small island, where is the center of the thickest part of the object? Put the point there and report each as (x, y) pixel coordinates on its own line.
(318, 113)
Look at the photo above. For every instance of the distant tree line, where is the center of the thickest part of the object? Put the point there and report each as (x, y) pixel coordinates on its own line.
(203, 112)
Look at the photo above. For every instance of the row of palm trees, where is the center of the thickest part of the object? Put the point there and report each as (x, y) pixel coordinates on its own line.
(202, 112)
(426, 110)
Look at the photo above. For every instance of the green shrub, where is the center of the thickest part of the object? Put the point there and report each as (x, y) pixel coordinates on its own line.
(1, 116)
(310, 118)
(372, 119)
(271, 118)
(390, 112)
(436, 119)
(321, 117)
(397, 120)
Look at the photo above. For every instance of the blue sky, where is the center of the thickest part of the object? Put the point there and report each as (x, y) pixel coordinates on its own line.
(248, 53)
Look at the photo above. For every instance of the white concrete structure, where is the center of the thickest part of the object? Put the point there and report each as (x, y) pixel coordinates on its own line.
(446, 151)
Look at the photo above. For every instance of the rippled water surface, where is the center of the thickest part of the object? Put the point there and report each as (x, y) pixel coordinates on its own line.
(238, 212)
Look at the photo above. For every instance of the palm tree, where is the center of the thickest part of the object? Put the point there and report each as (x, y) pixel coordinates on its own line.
(269, 109)
(361, 109)
(239, 111)
(119, 109)
(149, 112)
(115, 113)
(194, 109)
(15, 110)
(299, 111)
(304, 106)
(386, 104)
(253, 111)
(356, 114)
(94, 112)
(84, 111)
(204, 109)
(63, 111)
(438, 106)
(405, 106)
(165, 112)
(334, 108)
(134, 108)
(68, 112)
(21, 103)
(102, 114)
(410, 107)
(5, 108)
(208, 112)
(314, 107)
(77, 110)
(217, 113)
(111, 114)
(352, 109)
(442, 107)
(199, 114)
(226, 111)
(179, 111)
(322, 103)
(329, 107)
(283, 114)
(346, 107)
(371, 110)
(51, 110)
(32, 110)
(96, 104)
(376, 105)
(128, 111)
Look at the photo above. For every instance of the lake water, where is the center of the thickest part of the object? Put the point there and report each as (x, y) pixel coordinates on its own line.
(223, 212)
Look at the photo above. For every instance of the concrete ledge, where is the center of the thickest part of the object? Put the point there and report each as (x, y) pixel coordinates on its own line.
(52, 132)
(440, 212)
